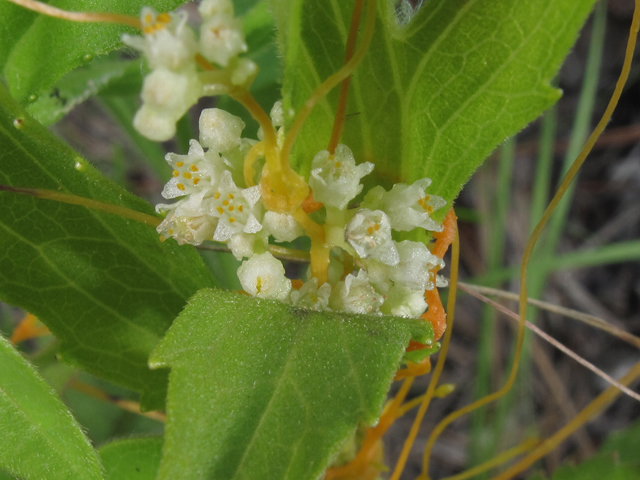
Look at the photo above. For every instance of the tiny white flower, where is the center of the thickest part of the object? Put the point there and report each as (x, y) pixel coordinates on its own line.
(441, 282)
(277, 114)
(166, 96)
(210, 8)
(243, 245)
(235, 208)
(311, 297)
(414, 269)
(186, 223)
(404, 302)
(263, 276)
(244, 72)
(356, 295)
(408, 206)
(194, 172)
(168, 41)
(221, 39)
(282, 226)
(335, 179)
(369, 233)
(219, 130)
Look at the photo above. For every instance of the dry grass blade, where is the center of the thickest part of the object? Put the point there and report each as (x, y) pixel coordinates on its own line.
(592, 320)
(553, 342)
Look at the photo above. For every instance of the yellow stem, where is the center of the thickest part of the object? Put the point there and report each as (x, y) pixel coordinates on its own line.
(249, 172)
(45, 9)
(330, 83)
(497, 460)
(341, 109)
(451, 303)
(86, 202)
(589, 412)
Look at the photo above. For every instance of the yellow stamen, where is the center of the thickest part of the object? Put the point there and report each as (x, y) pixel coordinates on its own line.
(216, 196)
(148, 18)
(231, 208)
(240, 208)
(220, 210)
(180, 164)
(186, 175)
(193, 168)
(232, 219)
(176, 173)
(196, 181)
(180, 186)
(370, 230)
(225, 202)
(164, 18)
(376, 227)
(230, 195)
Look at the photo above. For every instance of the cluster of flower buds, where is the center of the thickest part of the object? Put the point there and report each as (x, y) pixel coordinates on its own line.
(369, 271)
(172, 50)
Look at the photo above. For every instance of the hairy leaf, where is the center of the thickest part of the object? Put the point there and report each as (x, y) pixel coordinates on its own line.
(432, 97)
(259, 389)
(39, 438)
(39, 49)
(132, 458)
(79, 85)
(105, 285)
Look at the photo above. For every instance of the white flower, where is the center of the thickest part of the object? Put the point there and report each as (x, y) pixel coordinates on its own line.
(335, 179)
(408, 206)
(193, 172)
(369, 233)
(311, 297)
(210, 8)
(243, 245)
(404, 302)
(221, 38)
(235, 208)
(263, 276)
(355, 295)
(219, 130)
(414, 269)
(244, 72)
(186, 222)
(166, 96)
(282, 226)
(168, 41)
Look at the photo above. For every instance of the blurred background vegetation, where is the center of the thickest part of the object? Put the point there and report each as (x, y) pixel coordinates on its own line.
(587, 259)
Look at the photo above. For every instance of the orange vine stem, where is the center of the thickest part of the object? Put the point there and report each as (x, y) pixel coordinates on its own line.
(341, 109)
(50, 11)
(85, 202)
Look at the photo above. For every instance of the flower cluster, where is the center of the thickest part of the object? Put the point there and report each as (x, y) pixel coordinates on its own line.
(369, 271)
(172, 50)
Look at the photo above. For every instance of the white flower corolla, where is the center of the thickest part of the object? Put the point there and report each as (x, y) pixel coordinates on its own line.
(194, 172)
(369, 233)
(441, 282)
(282, 226)
(166, 97)
(355, 295)
(221, 38)
(277, 119)
(404, 302)
(186, 222)
(414, 269)
(237, 209)
(335, 179)
(263, 276)
(408, 206)
(244, 72)
(311, 297)
(168, 41)
(219, 130)
(244, 245)
(210, 8)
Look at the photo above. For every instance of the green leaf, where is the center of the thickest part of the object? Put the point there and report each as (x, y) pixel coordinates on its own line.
(39, 50)
(597, 468)
(40, 438)
(432, 98)
(105, 285)
(624, 444)
(259, 389)
(132, 458)
(81, 84)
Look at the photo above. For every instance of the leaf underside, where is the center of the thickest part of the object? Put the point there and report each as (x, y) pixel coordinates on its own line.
(105, 285)
(432, 98)
(259, 389)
